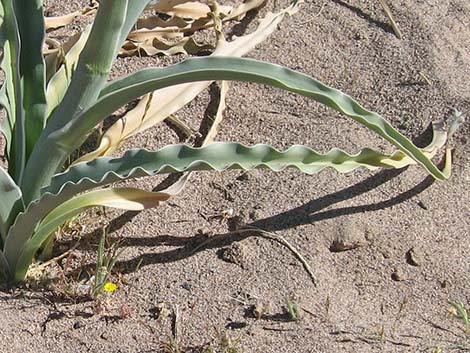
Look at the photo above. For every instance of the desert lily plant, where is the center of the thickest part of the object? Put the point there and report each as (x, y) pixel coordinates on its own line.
(51, 109)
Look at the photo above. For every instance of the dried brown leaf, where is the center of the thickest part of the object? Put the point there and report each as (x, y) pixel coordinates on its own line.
(60, 21)
(182, 8)
(159, 46)
(54, 22)
(156, 107)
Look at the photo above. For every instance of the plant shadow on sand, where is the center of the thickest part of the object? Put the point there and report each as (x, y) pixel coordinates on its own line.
(187, 246)
(307, 213)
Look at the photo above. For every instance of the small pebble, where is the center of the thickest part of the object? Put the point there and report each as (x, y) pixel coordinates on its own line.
(398, 275)
(422, 205)
(414, 257)
(234, 254)
(186, 285)
(350, 235)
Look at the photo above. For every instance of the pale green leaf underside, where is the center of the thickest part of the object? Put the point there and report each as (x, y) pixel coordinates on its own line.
(10, 202)
(123, 198)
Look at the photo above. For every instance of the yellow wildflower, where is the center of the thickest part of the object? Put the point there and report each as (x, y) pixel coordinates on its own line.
(110, 287)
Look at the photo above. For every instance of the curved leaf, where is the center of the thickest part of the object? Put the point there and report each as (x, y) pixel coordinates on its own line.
(201, 69)
(157, 106)
(56, 145)
(179, 158)
(10, 202)
(123, 198)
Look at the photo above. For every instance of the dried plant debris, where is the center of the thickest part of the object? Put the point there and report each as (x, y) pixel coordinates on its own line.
(168, 30)
(155, 107)
(55, 22)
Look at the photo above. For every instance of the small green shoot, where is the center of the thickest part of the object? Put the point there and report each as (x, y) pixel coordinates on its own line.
(461, 313)
(107, 257)
(293, 309)
(224, 344)
(172, 345)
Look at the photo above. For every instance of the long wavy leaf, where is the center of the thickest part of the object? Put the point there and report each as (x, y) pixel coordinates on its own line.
(180, 158)
(201, 69)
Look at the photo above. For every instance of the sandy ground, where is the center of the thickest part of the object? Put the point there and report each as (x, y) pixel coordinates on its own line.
(409, 235)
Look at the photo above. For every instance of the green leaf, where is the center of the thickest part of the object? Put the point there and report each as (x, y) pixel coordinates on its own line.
(10, 202)
(30, 20)
(94, 63)
(93, 67)
(5, 273)
(11, 95)
(201, 69)
(60, 143)
(123, 198)
(178, 158)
